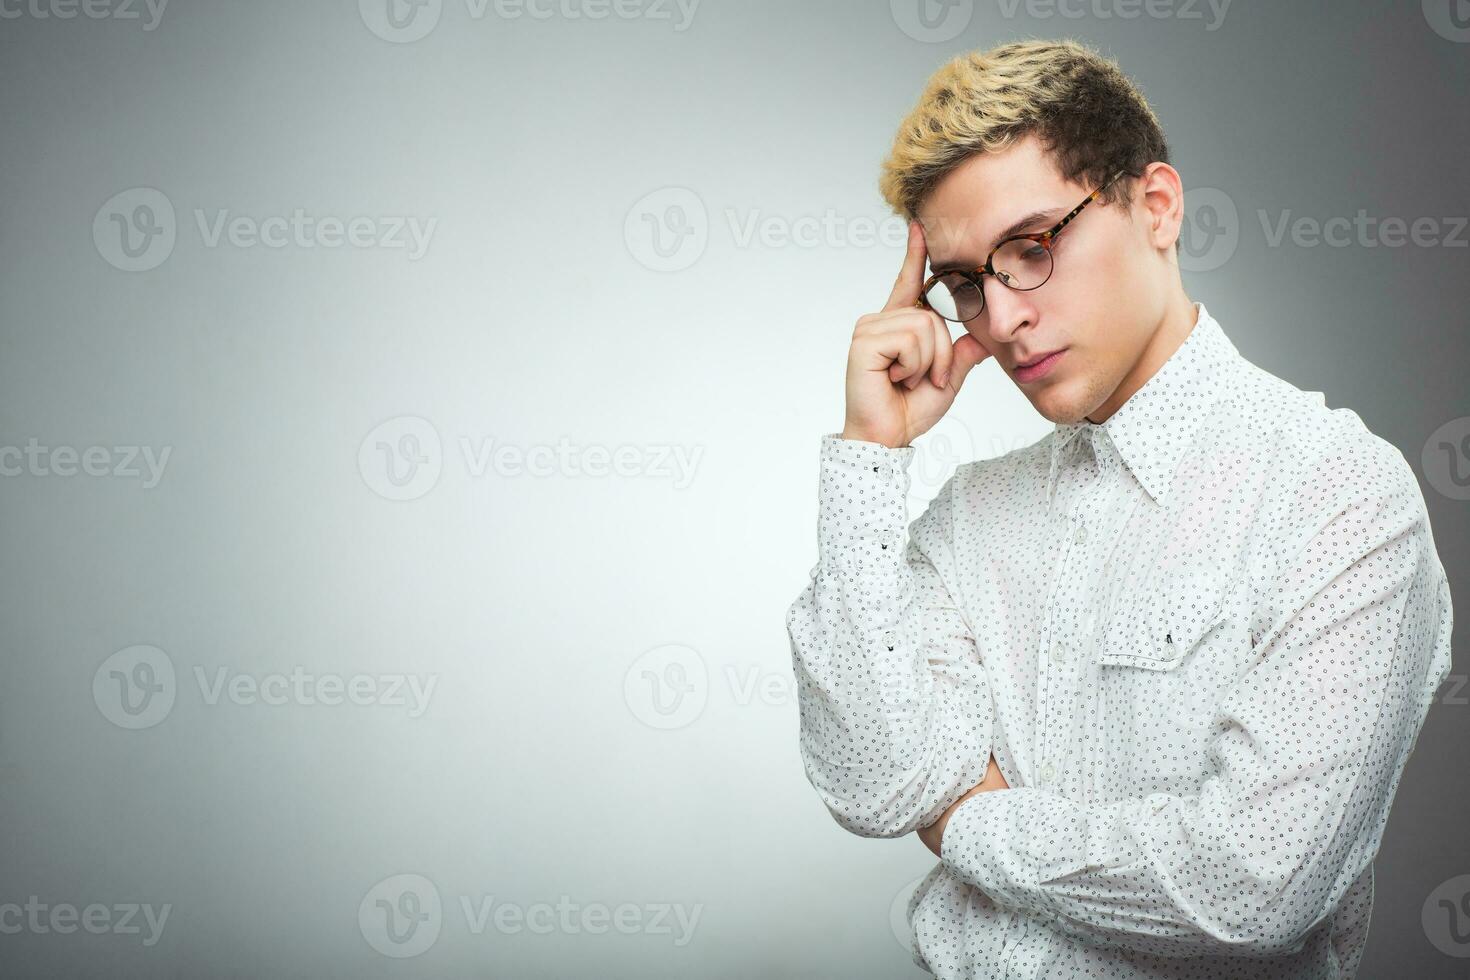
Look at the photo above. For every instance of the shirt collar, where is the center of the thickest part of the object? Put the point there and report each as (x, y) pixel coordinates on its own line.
(1154, 427)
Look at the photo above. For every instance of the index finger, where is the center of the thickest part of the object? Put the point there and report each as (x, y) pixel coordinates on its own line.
(911, 277)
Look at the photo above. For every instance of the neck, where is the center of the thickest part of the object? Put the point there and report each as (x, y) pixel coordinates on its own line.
(1170, 333)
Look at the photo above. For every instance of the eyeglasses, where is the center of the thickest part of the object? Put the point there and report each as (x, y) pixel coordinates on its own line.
(1021, 262)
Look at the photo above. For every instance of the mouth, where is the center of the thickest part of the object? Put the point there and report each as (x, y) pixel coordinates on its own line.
(1039, 366)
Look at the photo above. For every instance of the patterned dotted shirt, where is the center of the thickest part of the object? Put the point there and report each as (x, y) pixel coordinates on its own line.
(1200, 639)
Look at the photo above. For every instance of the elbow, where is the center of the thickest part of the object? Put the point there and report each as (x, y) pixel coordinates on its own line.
(1272, 933)
(1285, 933)
(1285, 923)
(866, 823)
(864, 809)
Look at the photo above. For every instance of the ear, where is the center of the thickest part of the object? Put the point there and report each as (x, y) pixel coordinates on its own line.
(1159, 193)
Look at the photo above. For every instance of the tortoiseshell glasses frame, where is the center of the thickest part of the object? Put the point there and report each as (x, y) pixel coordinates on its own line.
(1043, 238)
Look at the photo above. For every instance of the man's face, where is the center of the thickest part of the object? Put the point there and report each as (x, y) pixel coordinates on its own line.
(1106, 296)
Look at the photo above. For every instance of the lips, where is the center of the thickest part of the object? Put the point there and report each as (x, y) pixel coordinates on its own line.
(1036, 360)
(1039, 368)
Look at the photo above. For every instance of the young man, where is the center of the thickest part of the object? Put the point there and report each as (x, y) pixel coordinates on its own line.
(1147, 686)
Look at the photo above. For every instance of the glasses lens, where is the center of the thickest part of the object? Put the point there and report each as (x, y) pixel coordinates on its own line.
(955, 297)
(1022, 264)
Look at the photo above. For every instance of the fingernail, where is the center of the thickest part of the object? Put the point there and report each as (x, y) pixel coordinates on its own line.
(944, 380)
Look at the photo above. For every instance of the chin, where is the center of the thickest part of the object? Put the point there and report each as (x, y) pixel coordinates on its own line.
(1058, 405)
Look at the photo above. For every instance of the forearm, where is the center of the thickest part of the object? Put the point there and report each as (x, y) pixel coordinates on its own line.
(887, 740)
(895, 708)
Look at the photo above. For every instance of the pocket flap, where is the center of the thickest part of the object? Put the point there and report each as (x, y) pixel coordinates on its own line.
(1159, 628)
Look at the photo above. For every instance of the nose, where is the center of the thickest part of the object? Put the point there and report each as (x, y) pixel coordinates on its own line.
(1006, 311)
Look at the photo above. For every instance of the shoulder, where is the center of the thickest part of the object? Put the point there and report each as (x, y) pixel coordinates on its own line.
(1316, 466)
(1311, 444)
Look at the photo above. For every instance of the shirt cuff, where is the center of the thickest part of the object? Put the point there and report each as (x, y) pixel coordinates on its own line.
(990, 842)
(864, 491)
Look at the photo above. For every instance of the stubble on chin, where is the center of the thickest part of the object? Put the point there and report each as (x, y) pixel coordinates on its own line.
(1069, 408)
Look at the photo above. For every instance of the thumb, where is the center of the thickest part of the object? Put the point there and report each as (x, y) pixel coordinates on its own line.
(967, 353)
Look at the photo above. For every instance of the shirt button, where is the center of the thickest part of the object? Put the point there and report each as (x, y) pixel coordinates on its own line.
(1059, 651)
(1047, 772)
(1081, 534)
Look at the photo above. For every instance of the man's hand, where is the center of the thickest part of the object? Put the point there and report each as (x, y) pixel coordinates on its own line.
(934, 833)
(903, 372)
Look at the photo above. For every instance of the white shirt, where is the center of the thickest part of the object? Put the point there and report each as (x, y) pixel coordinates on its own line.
(1200, 637)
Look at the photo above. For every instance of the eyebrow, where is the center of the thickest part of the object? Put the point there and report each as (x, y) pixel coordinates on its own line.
(1047, 216)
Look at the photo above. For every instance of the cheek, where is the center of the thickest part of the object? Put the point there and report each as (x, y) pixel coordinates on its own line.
(1084, 278)
(1092, 262)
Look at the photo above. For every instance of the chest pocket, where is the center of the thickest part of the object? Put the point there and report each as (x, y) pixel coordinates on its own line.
(1159, 627)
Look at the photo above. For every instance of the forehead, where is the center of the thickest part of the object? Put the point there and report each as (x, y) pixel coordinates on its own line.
(983, 196)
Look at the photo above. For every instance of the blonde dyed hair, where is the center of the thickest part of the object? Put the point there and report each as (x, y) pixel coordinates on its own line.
(1091, 118)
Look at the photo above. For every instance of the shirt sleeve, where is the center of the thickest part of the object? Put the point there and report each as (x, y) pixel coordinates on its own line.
(896, 712)
(1310, 744)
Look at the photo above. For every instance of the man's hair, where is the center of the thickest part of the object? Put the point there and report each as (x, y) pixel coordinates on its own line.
(1090, 117)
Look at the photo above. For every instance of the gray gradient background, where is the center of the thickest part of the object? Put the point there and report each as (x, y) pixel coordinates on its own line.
(536, 313)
